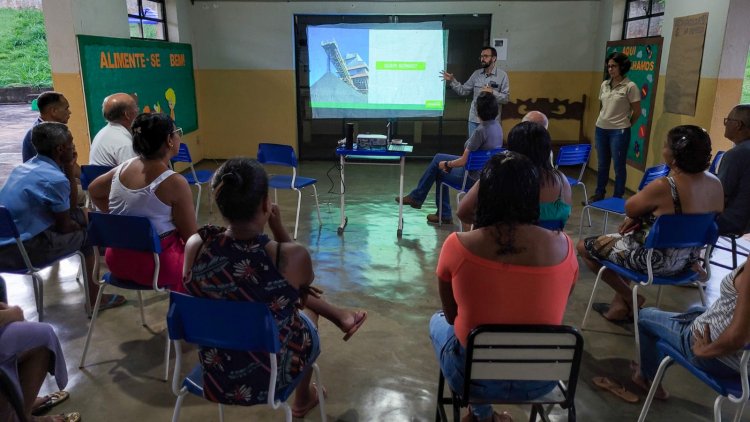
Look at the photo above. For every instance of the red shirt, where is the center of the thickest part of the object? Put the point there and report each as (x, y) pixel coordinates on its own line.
(490, 292)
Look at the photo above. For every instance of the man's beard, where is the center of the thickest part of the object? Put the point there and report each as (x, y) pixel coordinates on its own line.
(485, 65)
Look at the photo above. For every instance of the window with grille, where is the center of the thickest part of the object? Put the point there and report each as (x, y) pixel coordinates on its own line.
(643, 18)
(147, 19)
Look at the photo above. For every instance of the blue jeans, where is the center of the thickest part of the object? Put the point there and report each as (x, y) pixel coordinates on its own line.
(433, 174)
(452, 358)
(673, 328)
(612, 145)
(472, 127)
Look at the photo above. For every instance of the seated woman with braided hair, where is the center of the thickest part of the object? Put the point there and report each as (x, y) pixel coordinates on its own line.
(241, 263)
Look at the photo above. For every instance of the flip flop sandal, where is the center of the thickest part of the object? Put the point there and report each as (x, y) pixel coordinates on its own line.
(602, 308)
(357, 323)
(72, 417)
(606, 384)
(53, 399)
(502, 417)
(301, 413)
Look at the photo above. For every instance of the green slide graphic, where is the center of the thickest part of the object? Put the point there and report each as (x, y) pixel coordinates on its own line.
(390, 65)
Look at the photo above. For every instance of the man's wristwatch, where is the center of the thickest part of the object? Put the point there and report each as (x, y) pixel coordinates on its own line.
(446, 164)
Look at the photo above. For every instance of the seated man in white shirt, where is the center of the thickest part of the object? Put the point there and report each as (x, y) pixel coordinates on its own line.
(113, 144)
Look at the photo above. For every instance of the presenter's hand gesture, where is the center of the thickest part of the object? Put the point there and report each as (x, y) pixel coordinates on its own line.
(447, 77)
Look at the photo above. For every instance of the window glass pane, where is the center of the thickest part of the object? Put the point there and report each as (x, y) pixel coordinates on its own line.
(636, 29)
(135, 29)
(637, 8)
(657, 6)
(654, 26)
(152, 9)
(133, 7)
(153, 30)
(746, 84)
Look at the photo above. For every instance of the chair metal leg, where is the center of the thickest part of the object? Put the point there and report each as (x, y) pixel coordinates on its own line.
(140, 305)
(321, 396)
(440, 410)
(591, 300)
(456, 408)
(198, 201)
(317, 205)
(440, 203)
(296, 220)
(287, 412)
(739, 411)
(178, 404)
(532, 415)
(654, 385)
(658, 296)
(606, 217)
(586, 199)
(717, 408)
(167, 350)
(221, 412)
(91, 325)
(635, 326)
(36, 281)
(86, 281)
(701, 292)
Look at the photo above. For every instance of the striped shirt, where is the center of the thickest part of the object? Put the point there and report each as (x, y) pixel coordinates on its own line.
(719, 316)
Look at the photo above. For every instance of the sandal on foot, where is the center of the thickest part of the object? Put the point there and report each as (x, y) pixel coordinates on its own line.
(52, 400)
(357, 323)
(603, 308)
(606, 384)
(66, 417)
(302, 412)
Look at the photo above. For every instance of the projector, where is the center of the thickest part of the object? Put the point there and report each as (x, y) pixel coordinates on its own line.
(372, 142)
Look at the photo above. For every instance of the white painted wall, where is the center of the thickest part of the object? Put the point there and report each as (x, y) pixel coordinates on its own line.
(543, 35)
(736, 41)
(717, 19)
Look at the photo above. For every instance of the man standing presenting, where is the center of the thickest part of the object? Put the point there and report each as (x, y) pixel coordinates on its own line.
(734, 174)
(486, 79)
(53, 107)
(113, 144)
(39, 197)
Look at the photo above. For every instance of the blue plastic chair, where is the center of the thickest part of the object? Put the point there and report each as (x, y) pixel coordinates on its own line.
(575, 155)
(736, 389)
(8, 230)
(476, 161)
(213, 323)
(617, 205)
(123, 232)
(89, 172)
(195, 177)
(716, 163)
(669, 231)
(283, 155)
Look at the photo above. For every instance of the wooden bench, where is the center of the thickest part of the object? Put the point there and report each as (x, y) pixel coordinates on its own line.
(554, 110)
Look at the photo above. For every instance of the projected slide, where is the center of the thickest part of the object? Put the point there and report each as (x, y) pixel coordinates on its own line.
(376, 70)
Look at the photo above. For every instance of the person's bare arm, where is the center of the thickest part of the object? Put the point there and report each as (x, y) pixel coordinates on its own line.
(468, 206)
(277, 227)
(192, 246)
(450, 307)
(635, 107)
(458, 162)
(737, 333)
(99, 190)
(648, 199)
(10, 314)
(176, 190)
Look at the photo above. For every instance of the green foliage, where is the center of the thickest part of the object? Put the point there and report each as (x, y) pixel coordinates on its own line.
(24, 59)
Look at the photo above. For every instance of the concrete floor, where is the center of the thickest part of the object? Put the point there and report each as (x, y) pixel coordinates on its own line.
(387, 371)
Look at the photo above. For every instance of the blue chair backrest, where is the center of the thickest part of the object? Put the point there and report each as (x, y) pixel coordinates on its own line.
(276, 154)
(683, 231)
(653, 173)
(551, 224)
(90, 172)
(183, 155)
(226, 324)
(572, 155)
(714, 168)
(477, 159)
(8, 227)
(123, 232)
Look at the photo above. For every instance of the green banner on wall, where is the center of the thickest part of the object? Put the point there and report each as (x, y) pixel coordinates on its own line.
(159, 74)
(645, 57)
